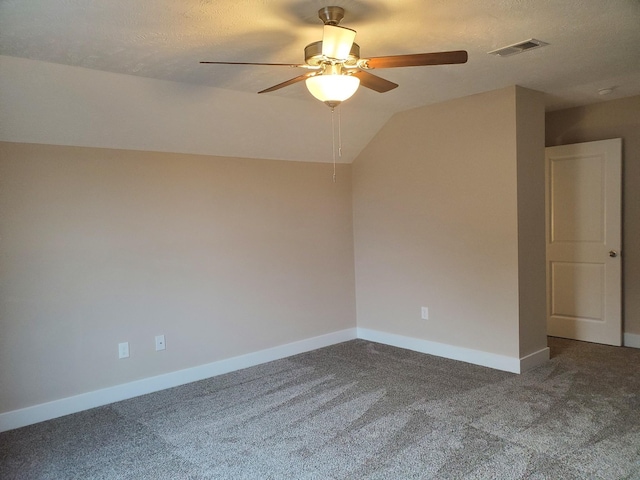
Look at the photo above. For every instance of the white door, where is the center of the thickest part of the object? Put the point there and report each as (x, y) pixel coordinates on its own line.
(583, 241)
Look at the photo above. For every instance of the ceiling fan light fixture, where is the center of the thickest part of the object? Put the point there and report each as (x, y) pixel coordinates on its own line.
(332, 89)
(337, 42)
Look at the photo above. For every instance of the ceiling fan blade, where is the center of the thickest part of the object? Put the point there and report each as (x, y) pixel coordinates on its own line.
(288, 82)
(255, 63)
(374, 82)
(417, 59)
(337, 42)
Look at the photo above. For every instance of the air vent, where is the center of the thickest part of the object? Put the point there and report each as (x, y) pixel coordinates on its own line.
(519, 47)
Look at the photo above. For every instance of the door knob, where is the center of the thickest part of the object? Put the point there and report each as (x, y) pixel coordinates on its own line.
(613, 253)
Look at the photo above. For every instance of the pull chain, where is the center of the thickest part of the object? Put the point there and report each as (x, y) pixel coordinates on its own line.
(333, 142)
(333, 138)
(340, 132)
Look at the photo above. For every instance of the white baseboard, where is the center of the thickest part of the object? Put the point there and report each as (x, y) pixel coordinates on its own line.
(534, 359)
(97, 398)
(476, 357)
(631, 340)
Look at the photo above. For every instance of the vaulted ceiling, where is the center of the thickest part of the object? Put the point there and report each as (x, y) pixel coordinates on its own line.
(593, 44)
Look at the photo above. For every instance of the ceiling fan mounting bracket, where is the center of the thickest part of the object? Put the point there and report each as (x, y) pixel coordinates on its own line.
(331, 15)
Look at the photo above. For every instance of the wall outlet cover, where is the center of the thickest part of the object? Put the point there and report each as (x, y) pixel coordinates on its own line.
(123, 350)
(160, 343)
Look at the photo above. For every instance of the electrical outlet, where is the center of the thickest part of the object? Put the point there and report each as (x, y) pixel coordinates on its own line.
(424, 313)
(160, 344)
(123, 350)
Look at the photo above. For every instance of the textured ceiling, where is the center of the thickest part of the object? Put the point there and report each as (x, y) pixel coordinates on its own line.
(593, 43)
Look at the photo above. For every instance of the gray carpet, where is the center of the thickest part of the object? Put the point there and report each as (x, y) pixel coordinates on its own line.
(358, 410)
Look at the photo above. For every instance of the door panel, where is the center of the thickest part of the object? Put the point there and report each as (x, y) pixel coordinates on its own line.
(583, 226)
(577, 290)
(577, 185)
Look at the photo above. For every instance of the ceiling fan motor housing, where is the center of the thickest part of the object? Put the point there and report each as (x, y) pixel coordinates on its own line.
(313, 55)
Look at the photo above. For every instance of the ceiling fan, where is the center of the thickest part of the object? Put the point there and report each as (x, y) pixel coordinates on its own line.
(336, 68)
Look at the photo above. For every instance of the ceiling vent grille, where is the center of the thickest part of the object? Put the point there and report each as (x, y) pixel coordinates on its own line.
(518, 47)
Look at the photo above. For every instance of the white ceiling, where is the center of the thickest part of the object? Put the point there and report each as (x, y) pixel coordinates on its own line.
(593, 43)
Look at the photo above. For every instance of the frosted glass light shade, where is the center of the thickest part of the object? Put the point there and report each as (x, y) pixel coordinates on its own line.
(332, 89)
(337, 42)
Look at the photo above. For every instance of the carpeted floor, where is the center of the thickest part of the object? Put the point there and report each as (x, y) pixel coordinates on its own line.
(359, 410)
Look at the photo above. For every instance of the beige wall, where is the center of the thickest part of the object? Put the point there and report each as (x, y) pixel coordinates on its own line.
(224, 256)
(612, 119)
(437, 220)
(531, 221)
